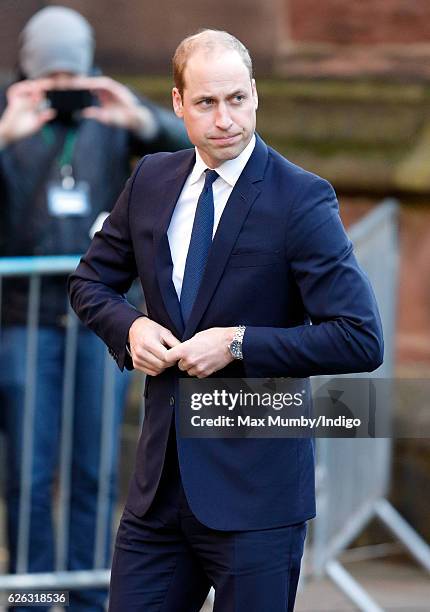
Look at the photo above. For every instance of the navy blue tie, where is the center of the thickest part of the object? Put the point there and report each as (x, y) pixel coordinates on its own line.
(200, 244)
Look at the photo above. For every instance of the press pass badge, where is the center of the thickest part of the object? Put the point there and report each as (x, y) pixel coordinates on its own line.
(68, 198)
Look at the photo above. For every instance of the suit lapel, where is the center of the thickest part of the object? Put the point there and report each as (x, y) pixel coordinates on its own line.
(236, 210)
(162, 256)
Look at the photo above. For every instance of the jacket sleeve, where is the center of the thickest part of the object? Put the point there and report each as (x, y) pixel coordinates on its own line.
(345, 332)
(97, 288)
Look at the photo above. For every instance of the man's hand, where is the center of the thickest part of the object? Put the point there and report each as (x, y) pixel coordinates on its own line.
(149, 344)
(25, 113)
(205, 353)
(119, 106)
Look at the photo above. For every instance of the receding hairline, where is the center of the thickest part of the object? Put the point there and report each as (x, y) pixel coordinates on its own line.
(207, 41)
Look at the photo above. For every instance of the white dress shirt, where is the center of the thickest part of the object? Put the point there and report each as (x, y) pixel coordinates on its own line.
(181, 223)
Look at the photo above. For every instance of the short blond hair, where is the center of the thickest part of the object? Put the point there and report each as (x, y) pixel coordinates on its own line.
(208, 40)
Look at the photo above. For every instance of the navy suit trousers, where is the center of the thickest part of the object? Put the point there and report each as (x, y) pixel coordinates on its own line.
(167, 560)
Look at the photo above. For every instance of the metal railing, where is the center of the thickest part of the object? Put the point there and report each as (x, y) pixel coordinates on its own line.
(35, 269)
(353, 475)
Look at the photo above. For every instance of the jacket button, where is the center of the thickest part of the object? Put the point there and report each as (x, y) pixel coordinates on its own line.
(172, 400)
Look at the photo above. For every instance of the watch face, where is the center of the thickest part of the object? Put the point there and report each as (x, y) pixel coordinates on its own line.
(235, 349)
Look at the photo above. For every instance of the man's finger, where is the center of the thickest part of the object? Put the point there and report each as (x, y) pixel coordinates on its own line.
(182, 365)
(174, 354)
(46, 115)
(95, 112)
(157, 348)
(152, 348)
(149, 360)
(169, 339)
(145, 370)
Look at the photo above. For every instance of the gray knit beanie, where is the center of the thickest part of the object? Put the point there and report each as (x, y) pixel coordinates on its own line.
(56, 39)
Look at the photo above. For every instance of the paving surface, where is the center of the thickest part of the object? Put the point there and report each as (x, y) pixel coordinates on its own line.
(396, 587)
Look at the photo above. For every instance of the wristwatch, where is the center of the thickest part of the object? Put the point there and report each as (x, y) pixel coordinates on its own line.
(235, 346)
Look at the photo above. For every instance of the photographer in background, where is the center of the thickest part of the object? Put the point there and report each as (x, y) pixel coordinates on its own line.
(62, 167)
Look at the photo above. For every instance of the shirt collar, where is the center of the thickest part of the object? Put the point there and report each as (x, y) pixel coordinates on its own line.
(229, 170)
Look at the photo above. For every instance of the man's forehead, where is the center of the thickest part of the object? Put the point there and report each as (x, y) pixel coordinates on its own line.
(217, 62)
(225, 69)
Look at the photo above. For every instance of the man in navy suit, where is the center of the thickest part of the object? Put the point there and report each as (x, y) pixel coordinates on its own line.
(247, 271)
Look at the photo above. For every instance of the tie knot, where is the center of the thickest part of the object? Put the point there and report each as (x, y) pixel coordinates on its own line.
(210, 177)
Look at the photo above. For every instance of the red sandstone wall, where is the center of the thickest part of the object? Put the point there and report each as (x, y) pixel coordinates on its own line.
(360, 21)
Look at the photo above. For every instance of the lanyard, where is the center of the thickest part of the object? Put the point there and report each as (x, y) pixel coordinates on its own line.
(66, 155)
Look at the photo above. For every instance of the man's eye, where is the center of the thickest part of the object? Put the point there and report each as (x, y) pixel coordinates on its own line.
(239, 98)
(206, 102)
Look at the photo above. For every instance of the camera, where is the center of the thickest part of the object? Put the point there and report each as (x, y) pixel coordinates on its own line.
(68, 101)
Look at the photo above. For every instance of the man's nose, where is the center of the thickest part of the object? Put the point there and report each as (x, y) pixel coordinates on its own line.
(223, 119)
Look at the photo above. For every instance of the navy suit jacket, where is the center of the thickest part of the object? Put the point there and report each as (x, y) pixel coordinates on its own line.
(281, 264)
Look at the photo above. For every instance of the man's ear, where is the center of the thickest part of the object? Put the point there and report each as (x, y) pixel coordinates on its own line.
(177, 102)
(254, 93)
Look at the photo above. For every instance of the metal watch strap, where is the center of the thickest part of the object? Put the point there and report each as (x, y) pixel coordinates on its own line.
(235, 346)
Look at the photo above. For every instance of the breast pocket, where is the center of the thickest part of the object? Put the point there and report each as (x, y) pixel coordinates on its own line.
(253, 259)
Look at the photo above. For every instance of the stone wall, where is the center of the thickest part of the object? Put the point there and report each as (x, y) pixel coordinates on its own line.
(288, 37)
(362, 22)
(361, 37)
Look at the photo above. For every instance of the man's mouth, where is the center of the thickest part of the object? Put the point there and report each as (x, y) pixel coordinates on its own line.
(225, 139)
